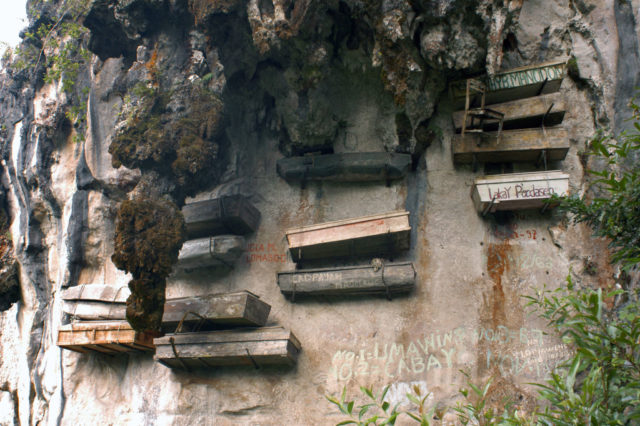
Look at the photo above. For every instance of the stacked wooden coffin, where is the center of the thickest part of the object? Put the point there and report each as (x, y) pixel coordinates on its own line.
(229, 332)
(209, 330)
(99, 324)
(513, 116)
(215, 230)
(378, 236)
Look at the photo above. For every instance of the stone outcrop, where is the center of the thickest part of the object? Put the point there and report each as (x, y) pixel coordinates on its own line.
(180, 101)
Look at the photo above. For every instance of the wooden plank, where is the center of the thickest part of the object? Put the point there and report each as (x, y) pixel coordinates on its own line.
(96, 292)
(524, 113)
(95, 311)
(513, 145)
(232, 214)
(221, 250)
(393, 278)
(106, 337)
(378, 234)
(517, 83)
(518, 191)
(237, 309)
(345, 167)
(262, 346)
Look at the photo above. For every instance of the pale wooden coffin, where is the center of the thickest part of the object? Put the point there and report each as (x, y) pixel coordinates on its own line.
(108, 337)
(545, 110)
(232, 214)
(389, 278)
(102, 302)
(249, 347)
(221, 250)
(345, 167)
(511, 145)
(517, 83)
(377, 234)
(517, 191)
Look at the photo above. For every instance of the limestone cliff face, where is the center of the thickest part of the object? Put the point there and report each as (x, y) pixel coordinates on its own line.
(185, 100)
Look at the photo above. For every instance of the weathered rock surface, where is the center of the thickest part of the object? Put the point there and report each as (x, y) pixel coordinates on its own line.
(200, 99)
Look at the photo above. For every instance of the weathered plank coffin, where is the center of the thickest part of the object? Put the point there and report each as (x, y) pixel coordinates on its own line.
(512, 145)
(235, 309)
(392, 278)
(221, 250)
(345, 167)
(251, 347)
(517, 191)
(232, 214)
(231, 309)
(524, 113)
(109, 337)
(378, 234)
(517, 83)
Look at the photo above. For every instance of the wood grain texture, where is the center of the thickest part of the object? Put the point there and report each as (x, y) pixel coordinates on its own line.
(106, 337)
(260, 346)
(513, 145)
(524, 113)
(392, 278)
(378, 234)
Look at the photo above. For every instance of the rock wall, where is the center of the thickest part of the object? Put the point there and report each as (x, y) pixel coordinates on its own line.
(284, 78)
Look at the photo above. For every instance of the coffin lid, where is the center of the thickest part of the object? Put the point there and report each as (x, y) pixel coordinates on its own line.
(348, 221)
(521, 177)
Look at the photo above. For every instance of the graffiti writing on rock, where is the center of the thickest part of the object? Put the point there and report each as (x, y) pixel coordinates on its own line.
(259, 252)
(451, 349)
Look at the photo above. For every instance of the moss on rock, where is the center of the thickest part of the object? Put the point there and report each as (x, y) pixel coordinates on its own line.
(172, 132)
(148, 238)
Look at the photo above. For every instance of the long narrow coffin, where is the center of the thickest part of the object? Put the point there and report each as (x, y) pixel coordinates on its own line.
(109, 337)
(517, 191)
(511, 145)
(345, 167)
(517, 83)
(232, 214)
(378, 234)
(230, 309)
(545, 110)
(221, 250)
(251, 347)
(387, 279)
(102, 302)
(95, 302)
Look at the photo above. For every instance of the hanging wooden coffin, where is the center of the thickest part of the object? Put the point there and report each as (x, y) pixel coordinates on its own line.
(250, 347)
(517, 191)
(214, 310)
(545, 110)
(232, 214)
(517, 83)
(345, 167)
(95, 302)
(511, 145)
(389, 278)
(102, 302)
(378, 234)
(109, 337)
(221, 250)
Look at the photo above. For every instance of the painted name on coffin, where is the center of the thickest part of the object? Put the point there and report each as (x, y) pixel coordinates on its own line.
(524, 78)
(318, 277)
(520, 192)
